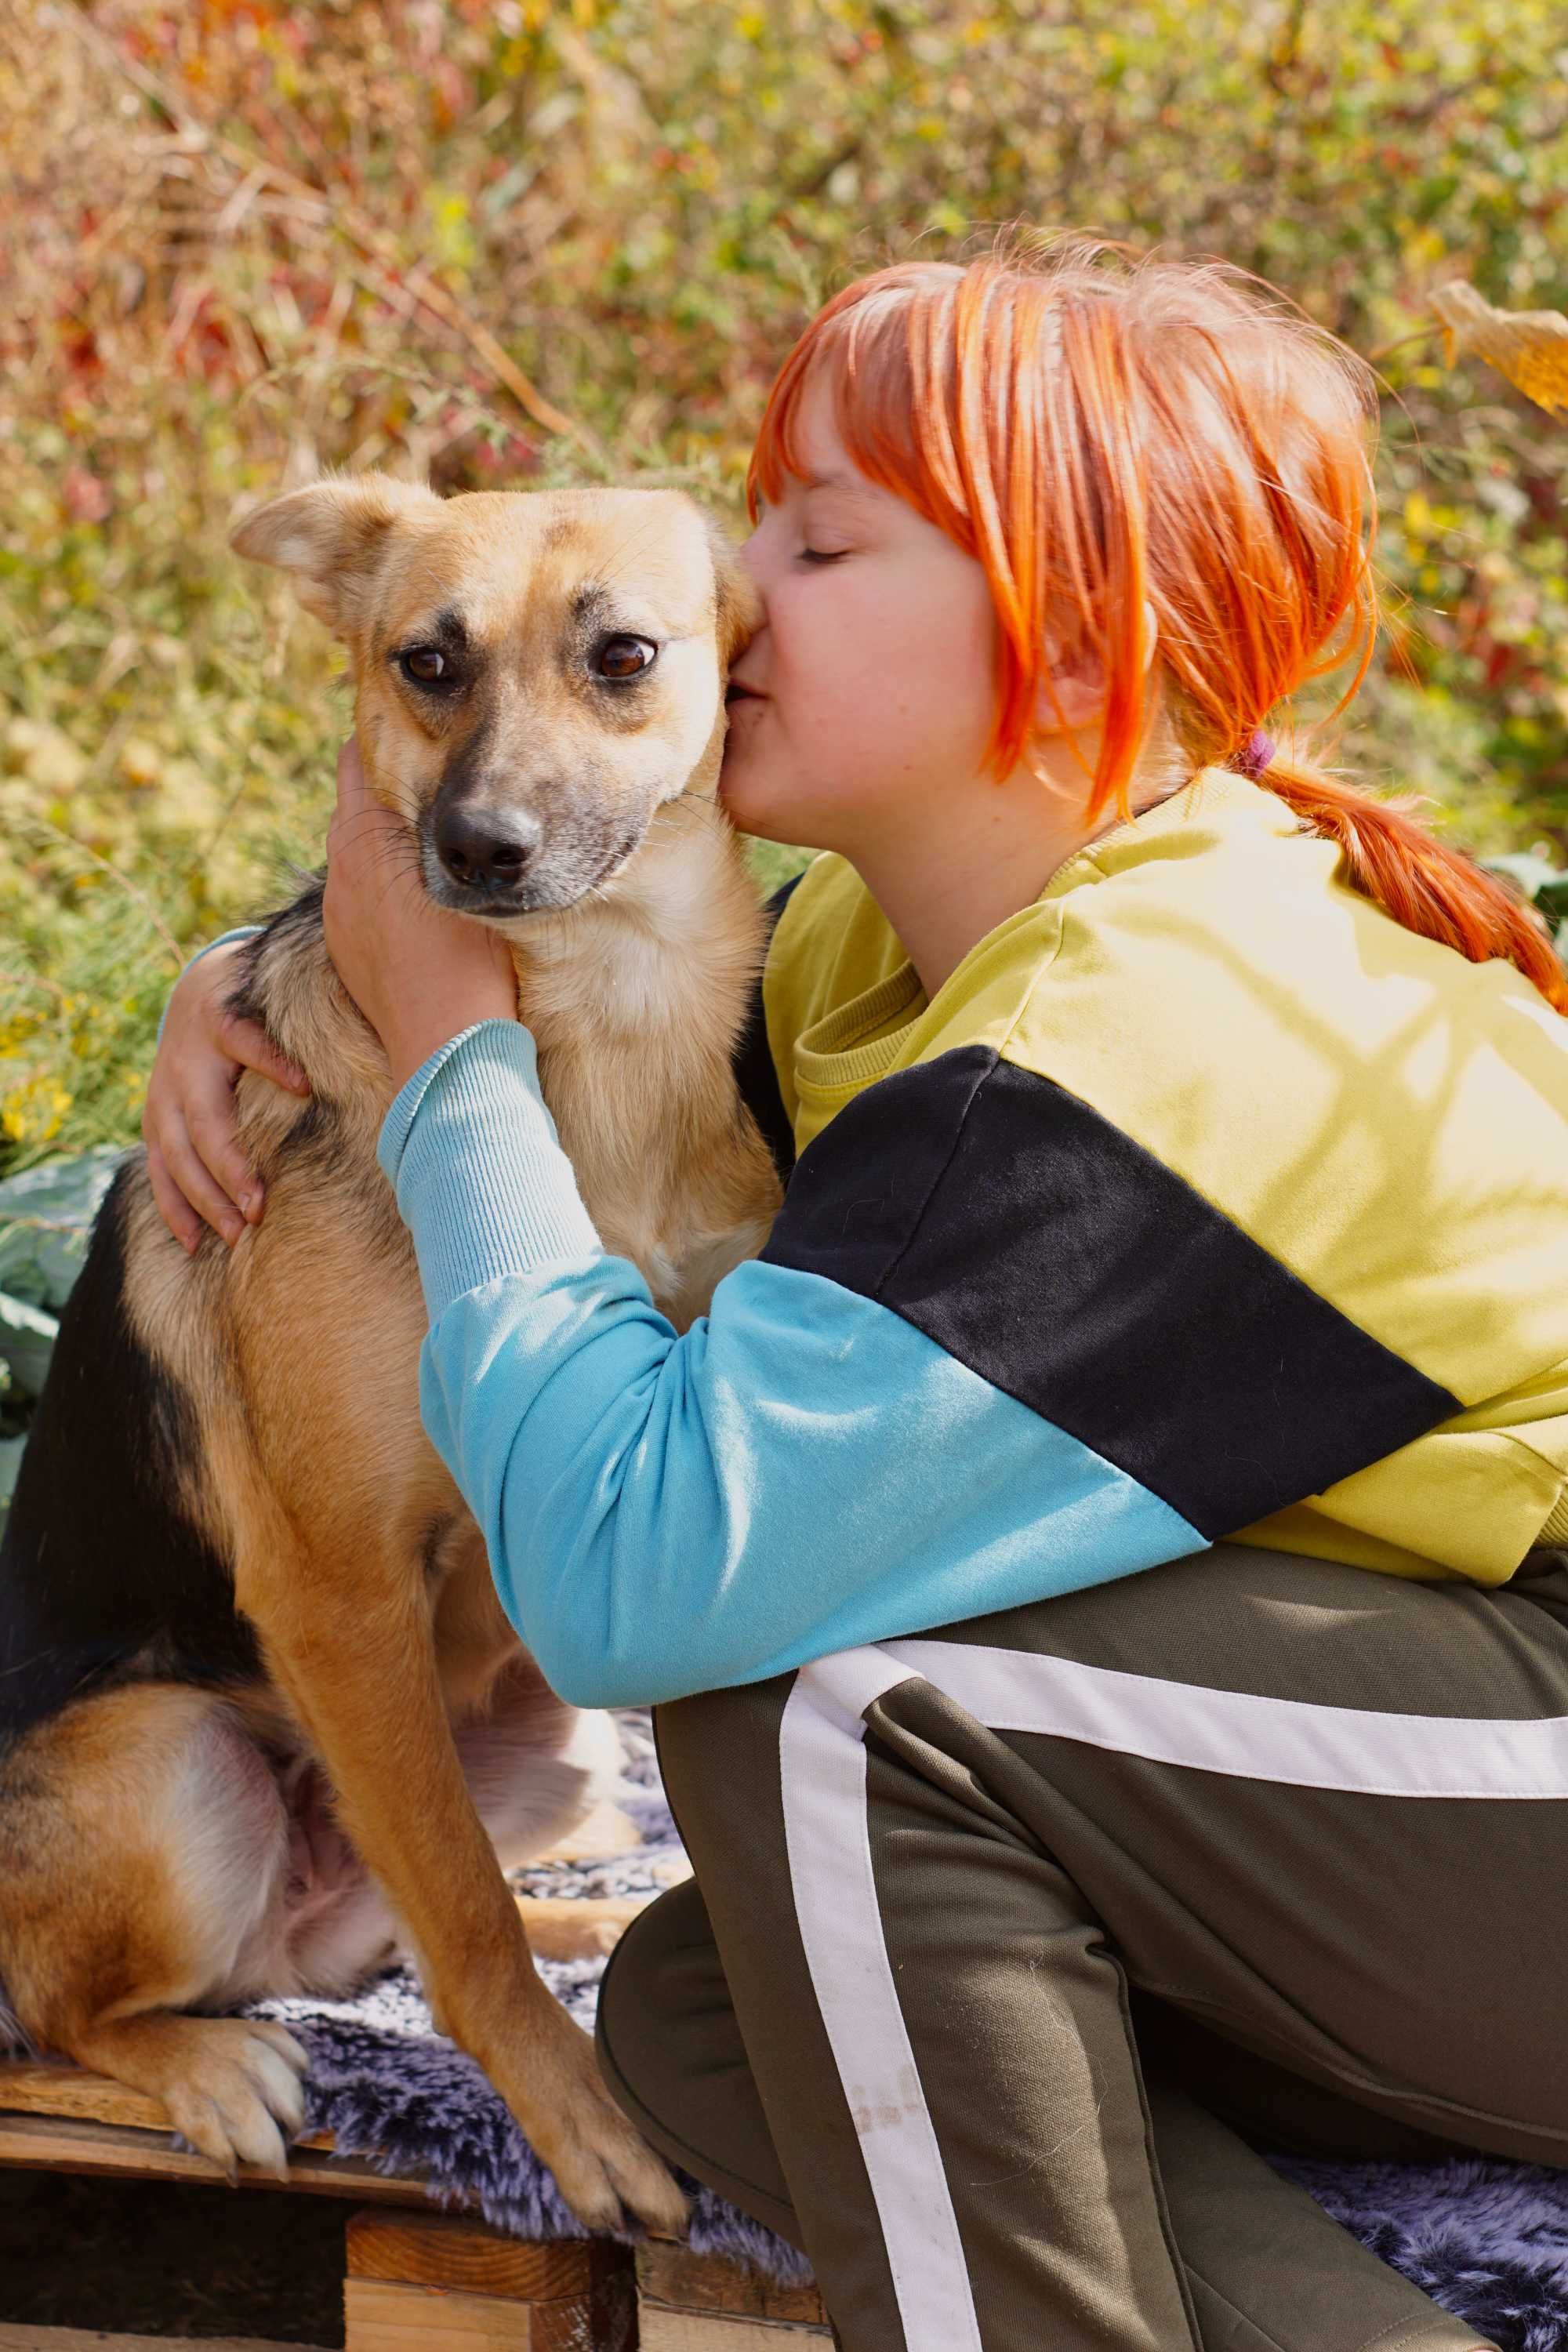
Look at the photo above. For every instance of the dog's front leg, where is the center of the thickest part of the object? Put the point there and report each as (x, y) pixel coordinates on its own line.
(349, 1643)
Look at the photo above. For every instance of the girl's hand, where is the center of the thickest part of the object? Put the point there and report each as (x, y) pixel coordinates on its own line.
(418, 975)
(193, 1159)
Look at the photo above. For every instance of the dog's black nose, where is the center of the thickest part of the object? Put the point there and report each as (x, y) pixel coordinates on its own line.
(486, 849)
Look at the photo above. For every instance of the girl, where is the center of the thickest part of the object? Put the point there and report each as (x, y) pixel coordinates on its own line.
(1096, 1568)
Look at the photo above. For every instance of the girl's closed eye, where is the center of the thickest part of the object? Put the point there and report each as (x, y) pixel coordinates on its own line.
(823, 555)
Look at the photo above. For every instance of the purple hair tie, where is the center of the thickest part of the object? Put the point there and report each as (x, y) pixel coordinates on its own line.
(1254, 754)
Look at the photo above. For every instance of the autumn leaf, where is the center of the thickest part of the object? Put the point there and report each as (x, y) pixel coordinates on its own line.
(1530, 347)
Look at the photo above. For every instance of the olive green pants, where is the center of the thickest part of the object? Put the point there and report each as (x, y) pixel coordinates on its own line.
(1010, 1945)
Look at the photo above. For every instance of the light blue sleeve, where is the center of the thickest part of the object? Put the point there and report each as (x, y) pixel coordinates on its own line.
(800, 1472)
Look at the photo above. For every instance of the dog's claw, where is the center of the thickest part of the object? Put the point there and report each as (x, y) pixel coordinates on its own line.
(239, 2094)
(603, 2185)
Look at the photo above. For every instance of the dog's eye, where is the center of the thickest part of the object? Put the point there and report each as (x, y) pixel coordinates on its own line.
(625, 656)
(427, 665)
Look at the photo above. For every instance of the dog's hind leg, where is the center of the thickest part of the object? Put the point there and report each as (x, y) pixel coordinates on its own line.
(143, 1866)
(535, 1767)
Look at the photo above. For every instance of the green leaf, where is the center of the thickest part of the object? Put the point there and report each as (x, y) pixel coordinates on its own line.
(27, 1338)
(46, 1217)
(11, 1452)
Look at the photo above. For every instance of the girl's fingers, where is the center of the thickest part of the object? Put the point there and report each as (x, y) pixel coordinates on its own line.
(209, 1123)
(171, 1203)
(191, 1176)
(350, 800)
(352, 792)
(247, 1042)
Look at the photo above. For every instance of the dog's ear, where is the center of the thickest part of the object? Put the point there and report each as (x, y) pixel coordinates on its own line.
(737, 607)
(329, 536)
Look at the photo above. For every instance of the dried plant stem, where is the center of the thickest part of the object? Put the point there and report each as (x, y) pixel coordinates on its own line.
(343, 217)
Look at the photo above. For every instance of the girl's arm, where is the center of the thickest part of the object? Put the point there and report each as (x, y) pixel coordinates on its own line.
(803, 1471)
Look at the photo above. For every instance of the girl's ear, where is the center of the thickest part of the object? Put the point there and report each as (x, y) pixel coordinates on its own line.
(1079, 682)
(1070, 699)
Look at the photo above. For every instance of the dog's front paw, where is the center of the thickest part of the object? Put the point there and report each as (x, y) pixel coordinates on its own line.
(603, 2166)
(238, 2092)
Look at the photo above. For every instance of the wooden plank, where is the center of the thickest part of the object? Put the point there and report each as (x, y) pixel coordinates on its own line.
(41, 2088)
(671, 2274)
(381, 2316)
(448, 2249)
(60, 2144)
(662, 2330)
(45, 2090)
(92, 2339)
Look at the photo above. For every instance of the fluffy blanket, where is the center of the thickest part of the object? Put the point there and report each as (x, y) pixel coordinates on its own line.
(1488, 2241)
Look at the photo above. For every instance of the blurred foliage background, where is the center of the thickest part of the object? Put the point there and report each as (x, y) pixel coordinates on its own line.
(501, 241)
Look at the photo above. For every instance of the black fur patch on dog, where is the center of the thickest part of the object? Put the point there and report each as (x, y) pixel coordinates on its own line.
(103, 1580)
(299, 921)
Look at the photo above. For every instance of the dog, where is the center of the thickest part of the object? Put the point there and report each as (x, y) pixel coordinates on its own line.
(262, 1719)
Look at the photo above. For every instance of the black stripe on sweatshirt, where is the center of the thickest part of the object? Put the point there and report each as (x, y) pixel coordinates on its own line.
(1038, 1244)
(753, 1062)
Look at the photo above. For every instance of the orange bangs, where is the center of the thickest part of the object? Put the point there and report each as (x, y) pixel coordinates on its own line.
(1108, 439)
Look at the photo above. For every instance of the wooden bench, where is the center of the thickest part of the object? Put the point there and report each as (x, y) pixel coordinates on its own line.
(416, 2280)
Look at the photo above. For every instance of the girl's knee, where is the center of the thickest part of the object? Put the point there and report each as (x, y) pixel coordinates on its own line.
(672, 2057)
(652, 2002)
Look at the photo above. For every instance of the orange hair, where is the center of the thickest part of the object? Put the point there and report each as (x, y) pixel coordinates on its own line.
(1105, 435)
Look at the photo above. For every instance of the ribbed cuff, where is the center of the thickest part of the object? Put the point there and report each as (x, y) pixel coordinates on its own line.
(481, 1180)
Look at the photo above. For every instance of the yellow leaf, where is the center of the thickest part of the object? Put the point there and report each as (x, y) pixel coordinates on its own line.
(1528, 347)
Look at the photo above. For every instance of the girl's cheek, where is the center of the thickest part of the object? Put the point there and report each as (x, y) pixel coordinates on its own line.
(830, 649)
